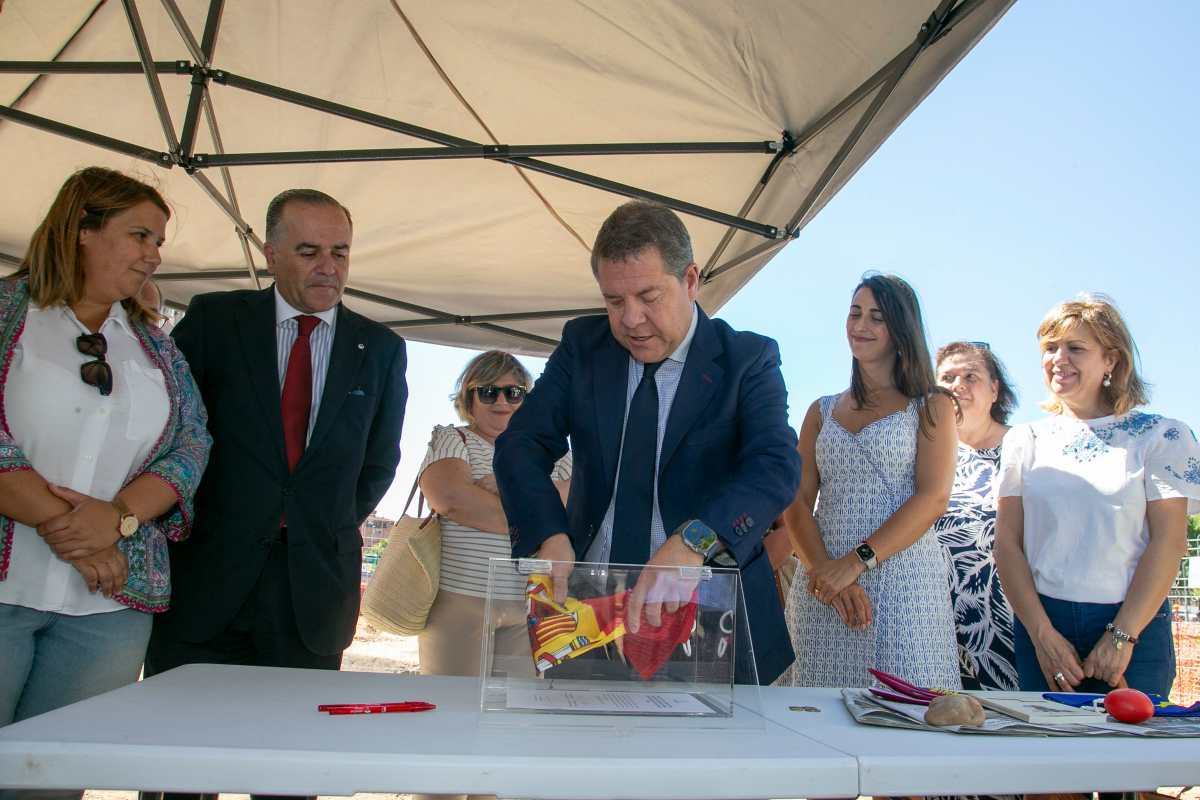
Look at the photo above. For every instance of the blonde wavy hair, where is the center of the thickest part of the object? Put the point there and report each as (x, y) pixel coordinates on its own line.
(484, 370)
(1099, 314)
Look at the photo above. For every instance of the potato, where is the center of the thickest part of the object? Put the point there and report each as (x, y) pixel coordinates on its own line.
(955, 709)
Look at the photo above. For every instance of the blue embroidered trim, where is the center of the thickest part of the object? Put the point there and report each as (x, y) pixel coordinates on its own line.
(1092, 442)
(1191, 473)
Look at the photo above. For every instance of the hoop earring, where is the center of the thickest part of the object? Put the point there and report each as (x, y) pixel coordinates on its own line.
(1107, 379)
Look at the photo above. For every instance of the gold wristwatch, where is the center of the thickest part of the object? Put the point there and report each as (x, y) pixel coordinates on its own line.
(128, 524)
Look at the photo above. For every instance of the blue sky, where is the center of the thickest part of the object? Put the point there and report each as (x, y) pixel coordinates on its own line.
(1058, 157)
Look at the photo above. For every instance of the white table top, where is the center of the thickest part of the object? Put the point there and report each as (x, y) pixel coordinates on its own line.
(248, 729)
(903, 762)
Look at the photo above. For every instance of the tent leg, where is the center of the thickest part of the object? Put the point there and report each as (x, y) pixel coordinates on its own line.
(156, 92)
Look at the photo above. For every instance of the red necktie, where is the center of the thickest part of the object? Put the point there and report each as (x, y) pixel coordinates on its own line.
(296, 402)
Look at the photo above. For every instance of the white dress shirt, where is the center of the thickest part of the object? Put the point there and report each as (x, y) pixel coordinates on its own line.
(320, 341)
(666, 380)
(76, 437)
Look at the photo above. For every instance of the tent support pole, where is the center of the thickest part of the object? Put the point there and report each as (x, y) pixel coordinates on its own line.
(156, 92)
(955, 16)
(575, 176)
(185, 33)
(495, 152)
(191, 119)
(931, 30)
(90, 67)
(87, 137)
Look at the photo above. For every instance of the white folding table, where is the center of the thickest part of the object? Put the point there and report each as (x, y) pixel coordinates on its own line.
(894, 761)
(247, 729)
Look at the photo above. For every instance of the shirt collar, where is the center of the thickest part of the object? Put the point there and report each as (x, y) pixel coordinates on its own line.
(116, 313)
(284, 311)
(681, 352)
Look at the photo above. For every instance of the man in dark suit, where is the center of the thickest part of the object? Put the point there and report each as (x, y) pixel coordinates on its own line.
(678, 429)
(305, 403)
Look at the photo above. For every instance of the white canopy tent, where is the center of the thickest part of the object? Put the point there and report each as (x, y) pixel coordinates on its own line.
(478, 144)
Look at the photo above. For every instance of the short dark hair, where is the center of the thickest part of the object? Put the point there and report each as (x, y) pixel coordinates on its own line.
(1006, 395)
(313, 197)
(639, 224)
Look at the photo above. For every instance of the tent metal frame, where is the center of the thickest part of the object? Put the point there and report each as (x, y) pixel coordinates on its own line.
(201, 72)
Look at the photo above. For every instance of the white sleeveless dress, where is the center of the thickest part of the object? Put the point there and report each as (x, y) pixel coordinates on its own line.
(865, 477)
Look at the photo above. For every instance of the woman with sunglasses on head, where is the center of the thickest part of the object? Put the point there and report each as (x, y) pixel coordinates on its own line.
(982, 616)
(1092, 514)
(102, 443)
(873, 591)
(456, 478)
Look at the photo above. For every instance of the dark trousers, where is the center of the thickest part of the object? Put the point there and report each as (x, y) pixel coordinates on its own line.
(1151, 669)
(262, 634)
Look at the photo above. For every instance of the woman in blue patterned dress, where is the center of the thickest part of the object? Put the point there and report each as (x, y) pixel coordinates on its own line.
(873, 590)
(982, 616)
(1092, 514)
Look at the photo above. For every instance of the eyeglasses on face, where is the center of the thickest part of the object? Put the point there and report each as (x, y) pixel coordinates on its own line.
(514, 394)
(97, 372)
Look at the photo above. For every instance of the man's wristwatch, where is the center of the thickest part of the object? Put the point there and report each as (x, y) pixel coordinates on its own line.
(699, 538)
(866, 554)
(128, 524)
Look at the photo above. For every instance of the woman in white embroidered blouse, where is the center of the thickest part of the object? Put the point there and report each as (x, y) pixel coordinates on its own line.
(1092, 514)
(456, 478)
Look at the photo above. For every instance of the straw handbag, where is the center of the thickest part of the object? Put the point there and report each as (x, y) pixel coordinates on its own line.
(405, 583)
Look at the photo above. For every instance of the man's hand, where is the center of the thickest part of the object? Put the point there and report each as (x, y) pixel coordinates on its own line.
(105, 571)
(557, 549)
(89, 527)
(663, 587)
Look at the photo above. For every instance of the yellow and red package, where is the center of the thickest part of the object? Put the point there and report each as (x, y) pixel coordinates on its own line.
(558, 632)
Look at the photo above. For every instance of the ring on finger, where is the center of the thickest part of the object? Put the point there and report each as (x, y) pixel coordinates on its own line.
(1060, 678)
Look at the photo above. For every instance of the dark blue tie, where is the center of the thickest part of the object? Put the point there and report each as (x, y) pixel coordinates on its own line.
(636, 478)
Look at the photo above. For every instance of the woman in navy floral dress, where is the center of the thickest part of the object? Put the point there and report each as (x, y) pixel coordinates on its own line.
(983, 619)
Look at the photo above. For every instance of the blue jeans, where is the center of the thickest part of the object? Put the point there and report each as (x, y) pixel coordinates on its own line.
(1151, 669)
(51, 660)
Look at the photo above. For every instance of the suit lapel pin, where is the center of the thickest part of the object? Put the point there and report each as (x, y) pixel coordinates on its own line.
(362, 346)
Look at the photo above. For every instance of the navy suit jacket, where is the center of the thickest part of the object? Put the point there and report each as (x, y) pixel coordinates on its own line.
(348, 464)
(728, 455)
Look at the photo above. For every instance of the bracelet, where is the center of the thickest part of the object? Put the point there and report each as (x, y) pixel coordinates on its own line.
(1119, 636)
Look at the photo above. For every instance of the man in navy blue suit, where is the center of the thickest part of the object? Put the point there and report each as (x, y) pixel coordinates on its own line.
(678, 426)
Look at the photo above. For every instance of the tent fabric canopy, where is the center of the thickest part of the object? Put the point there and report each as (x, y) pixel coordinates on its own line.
(439, 124)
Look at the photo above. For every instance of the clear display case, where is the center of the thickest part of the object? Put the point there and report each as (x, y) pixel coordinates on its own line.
(623, 641)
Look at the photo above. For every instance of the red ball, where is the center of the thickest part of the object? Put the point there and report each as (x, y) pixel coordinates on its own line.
(1128, 705)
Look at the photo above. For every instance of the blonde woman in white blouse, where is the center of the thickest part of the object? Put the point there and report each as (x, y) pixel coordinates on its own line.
(1092, 514)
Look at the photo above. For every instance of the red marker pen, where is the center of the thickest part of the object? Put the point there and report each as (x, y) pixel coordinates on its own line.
(376, 708)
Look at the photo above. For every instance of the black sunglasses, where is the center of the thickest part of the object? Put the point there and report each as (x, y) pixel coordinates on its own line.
(980, 345)
(96, 373)
(515, 395)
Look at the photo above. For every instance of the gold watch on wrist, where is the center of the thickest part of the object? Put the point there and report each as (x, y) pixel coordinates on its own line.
(128, 524)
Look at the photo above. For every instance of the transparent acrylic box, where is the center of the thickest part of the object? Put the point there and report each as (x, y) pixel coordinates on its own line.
(582, 656)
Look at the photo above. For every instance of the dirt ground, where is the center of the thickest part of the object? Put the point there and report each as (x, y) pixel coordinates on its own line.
(377, 651)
